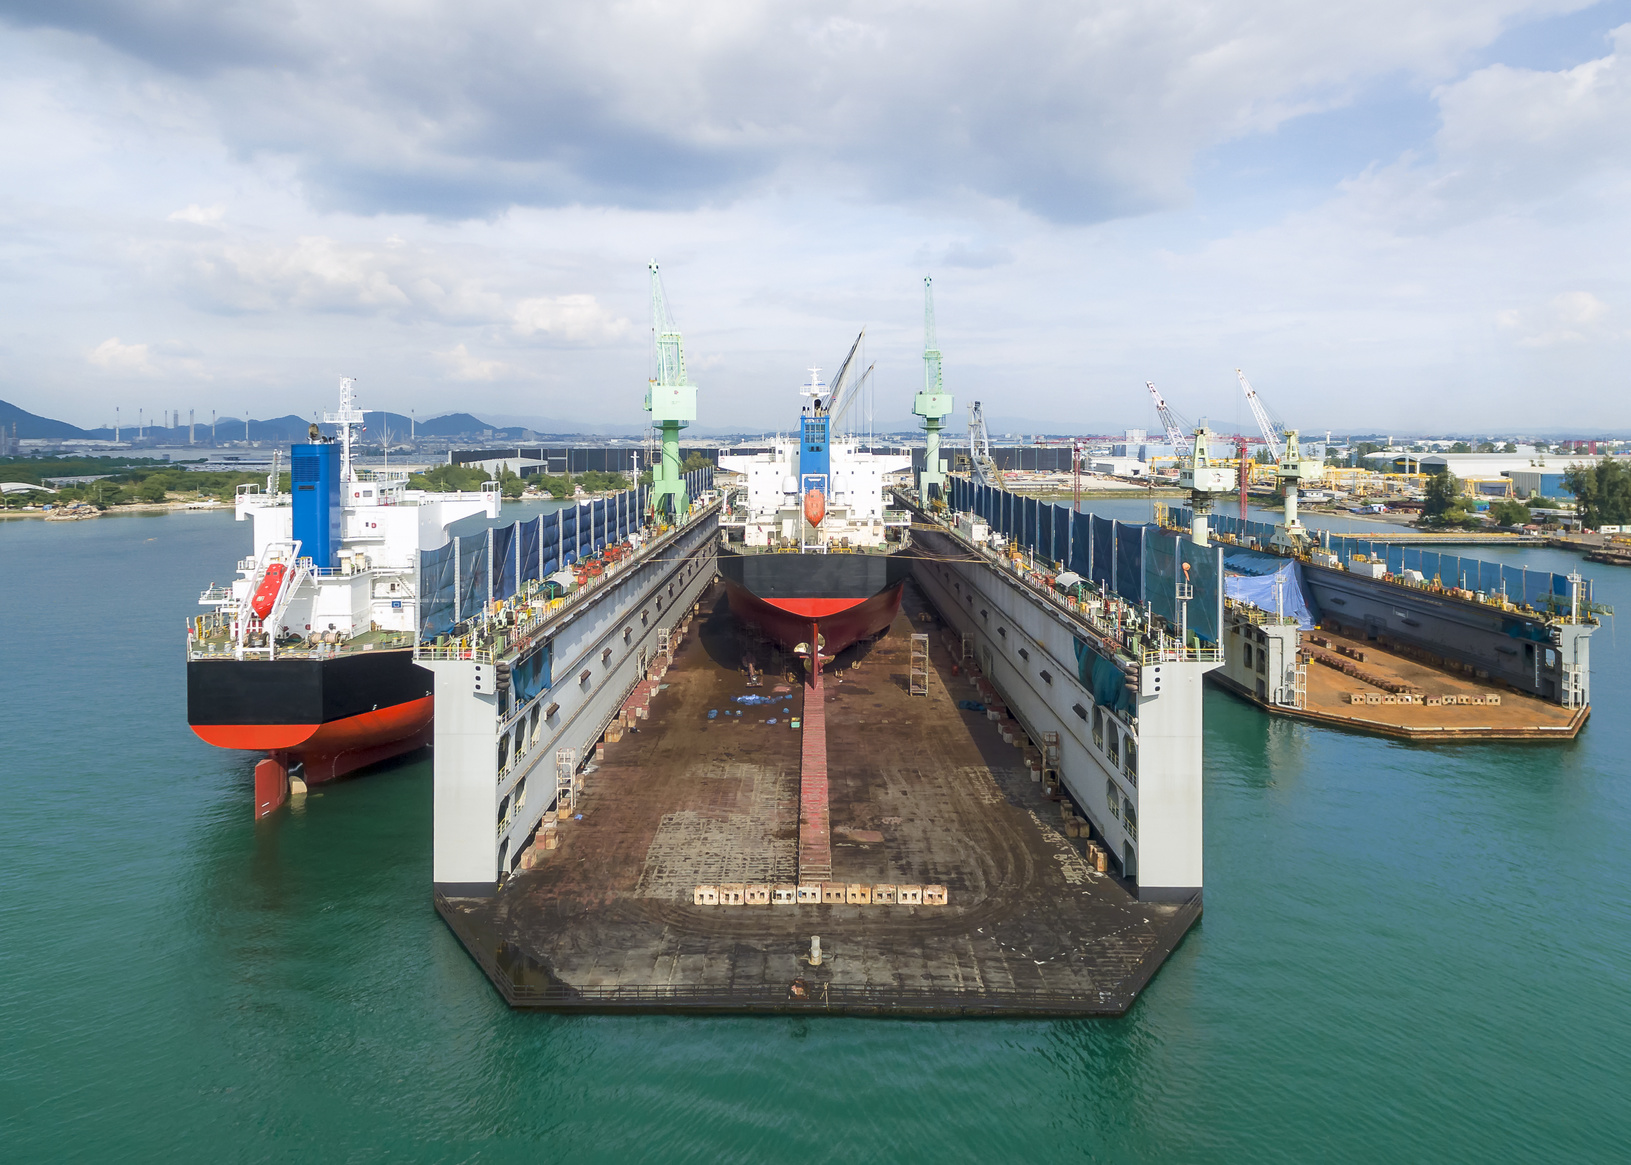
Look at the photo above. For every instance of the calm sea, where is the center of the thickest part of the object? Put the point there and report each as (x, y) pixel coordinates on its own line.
(1408, 953)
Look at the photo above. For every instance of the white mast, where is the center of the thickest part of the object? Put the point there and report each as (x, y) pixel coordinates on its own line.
(347, 416)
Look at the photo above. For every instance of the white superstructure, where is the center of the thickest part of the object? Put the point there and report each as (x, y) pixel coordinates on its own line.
(767, 504)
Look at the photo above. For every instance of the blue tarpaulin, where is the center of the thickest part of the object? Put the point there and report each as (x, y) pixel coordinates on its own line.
(1251, 578)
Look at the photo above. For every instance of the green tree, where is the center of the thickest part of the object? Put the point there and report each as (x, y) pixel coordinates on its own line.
(1441, 495)
(694, 461)
(1486, 447)
(1602, 492)
(1461, 447)
(1507, 512)
(1509, 447)
(151, 490)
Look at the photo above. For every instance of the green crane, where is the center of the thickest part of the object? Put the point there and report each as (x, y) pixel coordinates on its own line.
(672, 402)
(933, 404)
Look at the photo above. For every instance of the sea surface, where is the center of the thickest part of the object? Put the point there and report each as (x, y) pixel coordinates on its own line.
(1409, 953)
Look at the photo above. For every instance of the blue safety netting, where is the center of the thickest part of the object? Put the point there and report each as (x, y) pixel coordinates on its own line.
(505, 547)
(436, 590)
(474, 565)
(1540, 589)
(530, 675)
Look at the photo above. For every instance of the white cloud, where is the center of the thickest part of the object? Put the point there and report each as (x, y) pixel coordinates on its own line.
(461, 365)
(203, 216)
(1571, 318)
(1076, 111)
(114, 355)
(576, 319)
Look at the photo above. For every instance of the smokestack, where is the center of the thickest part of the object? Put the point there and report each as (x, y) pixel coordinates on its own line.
(189, 426)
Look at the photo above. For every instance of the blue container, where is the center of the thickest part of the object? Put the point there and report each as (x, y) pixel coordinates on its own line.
(314, 479)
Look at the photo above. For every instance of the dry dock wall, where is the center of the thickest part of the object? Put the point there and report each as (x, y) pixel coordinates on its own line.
(495, 757)
(1138, 778)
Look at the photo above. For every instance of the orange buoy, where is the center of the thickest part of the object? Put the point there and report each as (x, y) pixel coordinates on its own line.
(815, 507)
(266, 594)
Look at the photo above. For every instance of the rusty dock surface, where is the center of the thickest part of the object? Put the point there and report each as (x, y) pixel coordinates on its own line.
(919, 791)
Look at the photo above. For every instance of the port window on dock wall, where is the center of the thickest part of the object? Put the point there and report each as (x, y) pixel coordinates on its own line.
(1130, 747)
(1112, 743)
(1098, 726)
(1112, 798)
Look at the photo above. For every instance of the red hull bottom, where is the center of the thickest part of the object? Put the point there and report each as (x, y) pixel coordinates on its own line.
(327, 751)
(841, 622)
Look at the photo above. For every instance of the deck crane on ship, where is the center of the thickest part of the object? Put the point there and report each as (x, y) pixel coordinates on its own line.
(1289, 534)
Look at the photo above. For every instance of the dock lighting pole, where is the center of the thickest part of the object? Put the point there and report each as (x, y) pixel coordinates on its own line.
(115, 424)
(933, 404)
(672, 402)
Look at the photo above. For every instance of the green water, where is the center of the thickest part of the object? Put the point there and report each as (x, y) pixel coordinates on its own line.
(1408, 954)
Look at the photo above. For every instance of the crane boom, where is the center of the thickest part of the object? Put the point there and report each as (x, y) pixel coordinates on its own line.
(1273, 434)
(1176, 437)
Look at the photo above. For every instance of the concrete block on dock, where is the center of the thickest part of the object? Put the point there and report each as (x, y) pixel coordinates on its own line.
(809, 892)
(883, 894)
(833, 893)
(1492, 698)
(705, 896)
(784, 894)
(858, 894)
(934, 895)
(732, 893)
(1435, 701)
(909, 895)
(756, 895)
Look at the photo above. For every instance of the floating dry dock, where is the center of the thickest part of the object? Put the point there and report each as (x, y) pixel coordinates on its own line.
(922, 792)
(995, 808)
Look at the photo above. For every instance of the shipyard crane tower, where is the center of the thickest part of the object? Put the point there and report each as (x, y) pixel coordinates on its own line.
(1289, 534)
(933, 404)
(1197, 472)
(672, 402)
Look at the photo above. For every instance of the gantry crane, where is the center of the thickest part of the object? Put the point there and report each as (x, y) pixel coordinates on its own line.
(1289, 534)
(672, 402)
(933, 404)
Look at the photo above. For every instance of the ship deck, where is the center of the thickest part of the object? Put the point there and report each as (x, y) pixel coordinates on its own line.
(921, 791)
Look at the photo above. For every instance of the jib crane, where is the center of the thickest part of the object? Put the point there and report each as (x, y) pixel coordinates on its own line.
(1290, 534)
(979, 448)
(672, 402)
(933, 403)
(1197, 472)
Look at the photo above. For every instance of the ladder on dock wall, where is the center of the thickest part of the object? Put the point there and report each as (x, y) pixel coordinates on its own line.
(566, 782)
(918, 678)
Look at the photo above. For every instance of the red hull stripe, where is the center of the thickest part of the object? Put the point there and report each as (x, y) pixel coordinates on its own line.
(854, 622)
(815, 608)
(367, 730)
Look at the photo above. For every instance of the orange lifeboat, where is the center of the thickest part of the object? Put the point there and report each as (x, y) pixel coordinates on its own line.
(266, 594)
(815, 507)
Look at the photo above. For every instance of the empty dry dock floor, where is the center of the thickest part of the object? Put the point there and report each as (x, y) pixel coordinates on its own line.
(921, 792)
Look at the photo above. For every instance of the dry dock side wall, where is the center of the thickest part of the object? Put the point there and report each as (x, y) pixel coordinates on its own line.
(1133, 761)
(488, 799)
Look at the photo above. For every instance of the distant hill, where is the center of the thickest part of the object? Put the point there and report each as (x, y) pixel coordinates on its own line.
(30, 425)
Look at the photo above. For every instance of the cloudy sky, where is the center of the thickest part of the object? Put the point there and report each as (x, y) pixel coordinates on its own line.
(1393, 214)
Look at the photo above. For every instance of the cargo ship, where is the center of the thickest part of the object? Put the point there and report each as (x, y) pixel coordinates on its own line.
(307, 656)
(808, 539)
